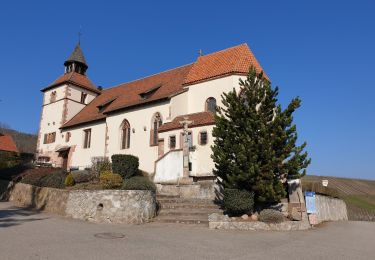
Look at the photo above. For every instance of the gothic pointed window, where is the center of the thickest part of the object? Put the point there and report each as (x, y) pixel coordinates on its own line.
(155, 124)
(211, 105)
(125, 135)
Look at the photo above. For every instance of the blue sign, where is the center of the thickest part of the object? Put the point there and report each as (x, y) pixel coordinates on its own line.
(310, 202)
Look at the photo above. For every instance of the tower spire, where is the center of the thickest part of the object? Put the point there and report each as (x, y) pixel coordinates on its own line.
(76, 61)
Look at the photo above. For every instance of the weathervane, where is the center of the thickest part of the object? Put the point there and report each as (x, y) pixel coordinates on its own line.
(80, 34)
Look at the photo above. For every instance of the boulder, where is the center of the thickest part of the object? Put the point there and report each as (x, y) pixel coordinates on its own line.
(245, 216)
(295, 214)
(254, 217)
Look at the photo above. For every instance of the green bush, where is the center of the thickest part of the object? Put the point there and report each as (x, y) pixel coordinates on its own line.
(111, 180)
(125, 165)
(69, 180)
(271, 216)
(139, 183)
(52, 180)
(237, 202)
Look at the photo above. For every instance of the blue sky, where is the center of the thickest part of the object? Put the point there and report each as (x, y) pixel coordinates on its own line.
(322, 51)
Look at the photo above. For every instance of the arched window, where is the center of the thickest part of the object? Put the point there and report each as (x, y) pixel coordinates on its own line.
(125, 135)
(157, 121)
(211, 105)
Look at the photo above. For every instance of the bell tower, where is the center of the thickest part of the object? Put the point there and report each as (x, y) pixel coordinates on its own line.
(62, 100)
(76, 61)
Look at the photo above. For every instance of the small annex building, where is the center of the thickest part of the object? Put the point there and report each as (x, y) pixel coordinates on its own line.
(7, 144)
(80, 121)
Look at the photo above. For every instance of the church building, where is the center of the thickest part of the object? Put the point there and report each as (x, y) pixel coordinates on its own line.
(152, 118)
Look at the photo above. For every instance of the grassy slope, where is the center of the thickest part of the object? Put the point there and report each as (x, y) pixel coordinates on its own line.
(357, 193)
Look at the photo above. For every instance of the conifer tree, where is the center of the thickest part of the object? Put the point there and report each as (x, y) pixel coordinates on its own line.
(255, 141)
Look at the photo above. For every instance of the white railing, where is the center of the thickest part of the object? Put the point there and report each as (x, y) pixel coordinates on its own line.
(169, 167)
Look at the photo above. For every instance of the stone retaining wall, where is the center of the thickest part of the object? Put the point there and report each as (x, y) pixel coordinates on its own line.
(219, 221)
(330, 209)
(112, 206)
(101, 206)
(200, 190)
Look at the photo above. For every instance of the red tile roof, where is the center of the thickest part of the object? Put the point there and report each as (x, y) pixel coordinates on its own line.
(199, 119)
(126, 95)
(7, 143)
(76, 79)
(235, 60)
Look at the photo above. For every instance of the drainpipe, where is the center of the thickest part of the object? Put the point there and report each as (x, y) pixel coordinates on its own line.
(106, 139)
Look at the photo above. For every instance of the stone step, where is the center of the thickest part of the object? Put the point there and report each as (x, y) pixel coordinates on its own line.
(182, 220)
(188, 205)
(192, 212)
(166, 196)
(180, 200)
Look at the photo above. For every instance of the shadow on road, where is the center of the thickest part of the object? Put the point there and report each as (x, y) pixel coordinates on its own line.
(12, 216)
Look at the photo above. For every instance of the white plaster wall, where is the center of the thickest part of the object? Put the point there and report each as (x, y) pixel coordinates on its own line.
(81, 157)
(60, 94)
(73, 109)
(202, 163)
(201, 157)
(51, 122)
(138, 118)
(75, 94)
(179, 105)
(198, 93)
(166, 135)
(169, 168)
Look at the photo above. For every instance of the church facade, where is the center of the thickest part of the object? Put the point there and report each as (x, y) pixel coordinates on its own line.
(143, 117)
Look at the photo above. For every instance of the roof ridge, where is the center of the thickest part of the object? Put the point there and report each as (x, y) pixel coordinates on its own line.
(192, 63)
(152, 75)
(229, 48)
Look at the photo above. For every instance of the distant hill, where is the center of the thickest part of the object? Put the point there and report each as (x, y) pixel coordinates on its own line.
(345, 186)
(26, 143)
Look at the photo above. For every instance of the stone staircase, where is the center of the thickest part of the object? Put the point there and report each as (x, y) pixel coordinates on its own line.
(173, 209)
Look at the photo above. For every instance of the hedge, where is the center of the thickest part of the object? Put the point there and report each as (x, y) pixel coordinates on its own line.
(125, 165)
(139, 183)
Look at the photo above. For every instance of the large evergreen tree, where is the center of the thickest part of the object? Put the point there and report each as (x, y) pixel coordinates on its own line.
(255, 141)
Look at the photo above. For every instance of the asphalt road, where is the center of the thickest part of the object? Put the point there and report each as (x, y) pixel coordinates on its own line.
(26, 234)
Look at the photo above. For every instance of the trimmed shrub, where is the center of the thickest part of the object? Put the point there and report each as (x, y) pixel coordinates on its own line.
(69, 180)
(52, 180)
(237, 202)
(271, 216)
(82, 176)
(139, 183)
(111, 180)
(126, 165)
